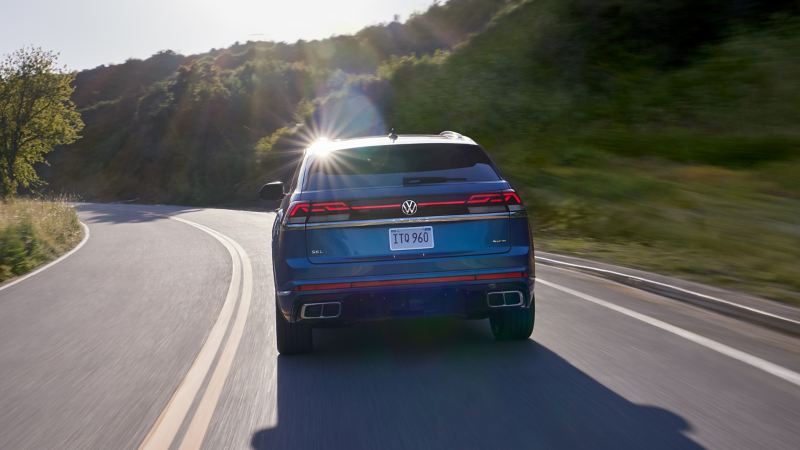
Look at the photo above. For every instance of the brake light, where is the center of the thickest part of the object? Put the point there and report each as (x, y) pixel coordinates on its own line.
(495, 201)
(300, 212)
(329, 207)
(299, 209)
(511, 198)
(485, 199)
(386, 206)
(453, 202)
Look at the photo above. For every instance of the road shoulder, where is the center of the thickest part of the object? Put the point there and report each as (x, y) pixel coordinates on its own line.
(756, 310)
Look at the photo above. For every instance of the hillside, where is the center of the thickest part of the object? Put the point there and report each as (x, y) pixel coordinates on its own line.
(656, 134)
(184, 129)
(677, 155)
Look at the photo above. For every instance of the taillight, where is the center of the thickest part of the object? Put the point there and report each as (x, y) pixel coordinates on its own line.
(329, 207)
(485, 199)
(511, 198)
(299, 209)
(302, 212)
(513, 201)
(494, 201)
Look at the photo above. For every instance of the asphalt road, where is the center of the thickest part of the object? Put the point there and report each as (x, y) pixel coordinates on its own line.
(158, 333)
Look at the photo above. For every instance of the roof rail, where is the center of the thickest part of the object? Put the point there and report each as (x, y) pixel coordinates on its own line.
(459, 136)
(451, 135)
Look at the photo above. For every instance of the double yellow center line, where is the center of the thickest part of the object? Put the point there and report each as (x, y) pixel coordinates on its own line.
(165, 430)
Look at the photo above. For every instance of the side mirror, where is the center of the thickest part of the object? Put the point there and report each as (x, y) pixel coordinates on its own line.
(272, 191)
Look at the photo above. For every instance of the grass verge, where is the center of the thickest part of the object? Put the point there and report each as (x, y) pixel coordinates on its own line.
(736, 227)
(33, 232)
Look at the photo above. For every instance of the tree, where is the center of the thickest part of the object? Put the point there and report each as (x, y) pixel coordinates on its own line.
(36, 114)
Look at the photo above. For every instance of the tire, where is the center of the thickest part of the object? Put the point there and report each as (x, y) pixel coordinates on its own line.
(292, 338)
(512, 324)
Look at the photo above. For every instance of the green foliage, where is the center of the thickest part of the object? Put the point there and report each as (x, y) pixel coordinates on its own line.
(546, 65)
(33, 232)
(36, 114)
(18, 250)
(680, 155)
(265, 144)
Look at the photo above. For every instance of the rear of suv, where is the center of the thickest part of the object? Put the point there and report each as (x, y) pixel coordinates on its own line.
(394, 227)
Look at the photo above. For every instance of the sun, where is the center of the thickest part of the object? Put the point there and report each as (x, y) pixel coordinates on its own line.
(321, 146)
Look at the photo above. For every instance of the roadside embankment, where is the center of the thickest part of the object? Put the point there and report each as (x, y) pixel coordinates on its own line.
(33, 232)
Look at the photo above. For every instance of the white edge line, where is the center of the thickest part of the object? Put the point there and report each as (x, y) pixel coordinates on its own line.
(51, 263)
(708, 297)
(754, 361)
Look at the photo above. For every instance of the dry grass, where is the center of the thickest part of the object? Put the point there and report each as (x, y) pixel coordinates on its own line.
(33, 232)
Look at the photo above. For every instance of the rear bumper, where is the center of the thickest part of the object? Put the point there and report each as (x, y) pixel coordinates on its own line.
(467, 299)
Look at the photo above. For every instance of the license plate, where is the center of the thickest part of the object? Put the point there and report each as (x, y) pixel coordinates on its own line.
(410, 238)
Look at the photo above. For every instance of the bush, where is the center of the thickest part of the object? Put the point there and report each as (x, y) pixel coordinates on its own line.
(34, 232)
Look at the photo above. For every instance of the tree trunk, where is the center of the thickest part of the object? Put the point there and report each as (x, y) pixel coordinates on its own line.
(9, 180)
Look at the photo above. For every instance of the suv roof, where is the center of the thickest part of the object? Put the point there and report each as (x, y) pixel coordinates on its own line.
(445, 137)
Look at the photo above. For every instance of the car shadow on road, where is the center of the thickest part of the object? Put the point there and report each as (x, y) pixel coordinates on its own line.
(446, 384)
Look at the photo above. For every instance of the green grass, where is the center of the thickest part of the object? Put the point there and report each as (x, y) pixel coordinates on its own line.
(733, 227)
(33, 232)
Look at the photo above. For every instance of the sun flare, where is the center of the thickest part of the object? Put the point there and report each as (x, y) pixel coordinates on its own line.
(321, 146)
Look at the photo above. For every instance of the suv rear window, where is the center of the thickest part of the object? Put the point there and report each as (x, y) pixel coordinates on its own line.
(396, 165)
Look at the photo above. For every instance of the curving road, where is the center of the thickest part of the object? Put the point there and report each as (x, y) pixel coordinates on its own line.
(158, 333)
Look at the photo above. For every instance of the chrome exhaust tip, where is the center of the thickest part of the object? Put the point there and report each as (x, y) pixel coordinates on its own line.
(504, 299)
(325, 310)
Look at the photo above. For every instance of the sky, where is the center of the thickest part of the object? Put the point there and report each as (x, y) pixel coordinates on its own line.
(88, 33)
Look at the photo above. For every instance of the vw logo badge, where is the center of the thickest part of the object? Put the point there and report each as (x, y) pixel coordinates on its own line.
(409, 207)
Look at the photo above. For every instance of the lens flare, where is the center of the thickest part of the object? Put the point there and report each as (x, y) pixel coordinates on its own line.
(321, 146)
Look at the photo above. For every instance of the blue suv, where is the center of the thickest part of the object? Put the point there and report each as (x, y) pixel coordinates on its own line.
(399, 226)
